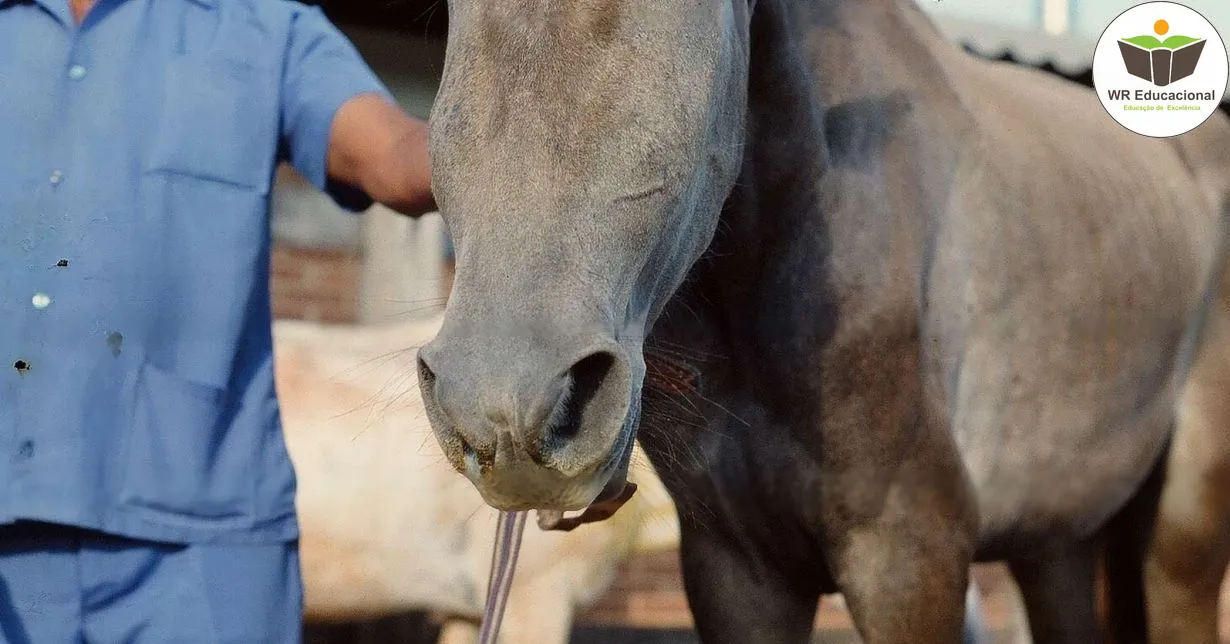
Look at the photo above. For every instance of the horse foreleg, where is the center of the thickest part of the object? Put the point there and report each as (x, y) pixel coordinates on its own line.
(736, 597)
(903, 587)
(1186, 558)
(1125, 538)
(905, 570)
(975, 630)
(1058, 589)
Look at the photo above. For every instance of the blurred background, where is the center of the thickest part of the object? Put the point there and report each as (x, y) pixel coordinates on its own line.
(379, 267)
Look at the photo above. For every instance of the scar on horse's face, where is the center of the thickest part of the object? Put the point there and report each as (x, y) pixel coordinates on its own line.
(581, 152)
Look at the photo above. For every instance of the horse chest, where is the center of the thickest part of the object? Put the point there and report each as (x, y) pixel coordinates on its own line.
(771, 477)
(756, 486)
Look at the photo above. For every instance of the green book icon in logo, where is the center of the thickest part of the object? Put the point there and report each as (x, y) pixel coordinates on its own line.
(1161, 62)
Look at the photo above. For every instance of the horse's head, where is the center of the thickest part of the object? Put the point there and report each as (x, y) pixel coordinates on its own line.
(581, 153)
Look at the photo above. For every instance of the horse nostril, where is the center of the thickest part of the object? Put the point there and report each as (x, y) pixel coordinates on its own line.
(426, 376)
(427, 388)
(470, 456)
(585, 379)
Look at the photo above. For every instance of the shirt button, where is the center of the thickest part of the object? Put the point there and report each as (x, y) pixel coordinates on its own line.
(41, 301)
(56, 177)
(76, 72)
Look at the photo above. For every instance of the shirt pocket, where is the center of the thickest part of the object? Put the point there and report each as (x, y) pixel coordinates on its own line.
(185, 462)
(218, 121)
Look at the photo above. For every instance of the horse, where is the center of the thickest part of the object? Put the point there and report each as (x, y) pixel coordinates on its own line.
(921, 309)
(386, 528)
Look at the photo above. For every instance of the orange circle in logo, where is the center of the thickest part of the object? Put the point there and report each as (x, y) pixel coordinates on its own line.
(1161, 27)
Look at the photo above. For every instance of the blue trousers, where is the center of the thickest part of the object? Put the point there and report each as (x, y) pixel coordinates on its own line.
(61, 585)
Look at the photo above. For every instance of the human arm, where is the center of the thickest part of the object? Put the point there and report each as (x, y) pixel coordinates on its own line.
(380, 149)
(341, 128)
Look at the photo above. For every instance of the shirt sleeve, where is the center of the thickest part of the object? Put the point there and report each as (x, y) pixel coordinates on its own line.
(323, 71)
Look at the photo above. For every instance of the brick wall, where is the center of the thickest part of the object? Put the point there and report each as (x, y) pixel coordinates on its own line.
(646, 594)
(315, 284)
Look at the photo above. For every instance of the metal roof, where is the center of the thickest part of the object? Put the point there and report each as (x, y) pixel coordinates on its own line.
(1070, 55)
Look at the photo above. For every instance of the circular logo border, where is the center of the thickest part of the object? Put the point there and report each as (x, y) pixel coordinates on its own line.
(1097, 45)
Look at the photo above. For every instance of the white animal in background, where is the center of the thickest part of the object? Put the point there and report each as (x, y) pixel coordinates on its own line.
(388, 526)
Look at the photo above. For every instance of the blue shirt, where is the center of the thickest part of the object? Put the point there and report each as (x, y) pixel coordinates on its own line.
(137, 152)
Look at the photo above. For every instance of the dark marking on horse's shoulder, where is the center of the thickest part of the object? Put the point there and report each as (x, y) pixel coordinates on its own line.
(858, 131)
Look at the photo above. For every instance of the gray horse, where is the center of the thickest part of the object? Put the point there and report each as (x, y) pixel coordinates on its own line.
(912, 309)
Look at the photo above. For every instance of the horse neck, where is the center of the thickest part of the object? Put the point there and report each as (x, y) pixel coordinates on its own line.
(784, 147)
(826, 77)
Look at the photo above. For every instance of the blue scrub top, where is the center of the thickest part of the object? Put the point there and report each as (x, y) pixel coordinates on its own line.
(137, 153)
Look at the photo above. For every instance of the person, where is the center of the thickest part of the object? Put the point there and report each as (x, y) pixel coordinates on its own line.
(146, 494)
